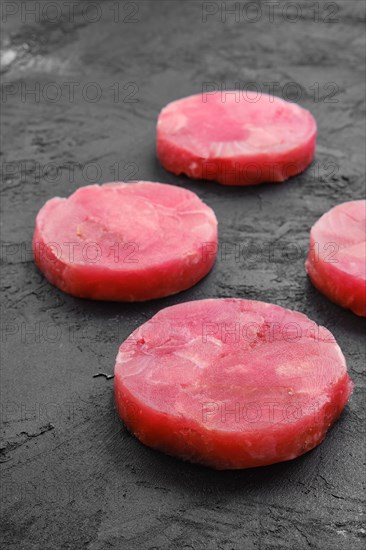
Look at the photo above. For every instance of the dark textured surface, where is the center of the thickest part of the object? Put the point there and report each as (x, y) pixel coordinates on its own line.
(72, 477)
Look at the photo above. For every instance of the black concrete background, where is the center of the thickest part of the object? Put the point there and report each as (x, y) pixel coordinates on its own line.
(72, 477)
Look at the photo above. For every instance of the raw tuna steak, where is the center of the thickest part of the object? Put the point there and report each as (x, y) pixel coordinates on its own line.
(336, 262)
(235, 140)
(231, 383)
(125, 241)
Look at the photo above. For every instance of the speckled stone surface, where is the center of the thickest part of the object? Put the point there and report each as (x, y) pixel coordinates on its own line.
(72, 477)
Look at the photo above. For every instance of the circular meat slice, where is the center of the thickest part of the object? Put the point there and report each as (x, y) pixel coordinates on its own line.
(125, 241)
(231, 383)
(336, 262)
(235, 139)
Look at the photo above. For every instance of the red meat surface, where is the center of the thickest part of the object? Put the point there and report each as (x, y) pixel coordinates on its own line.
(231, 383)
(125, 241)
(235, 140)
(336, 262)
